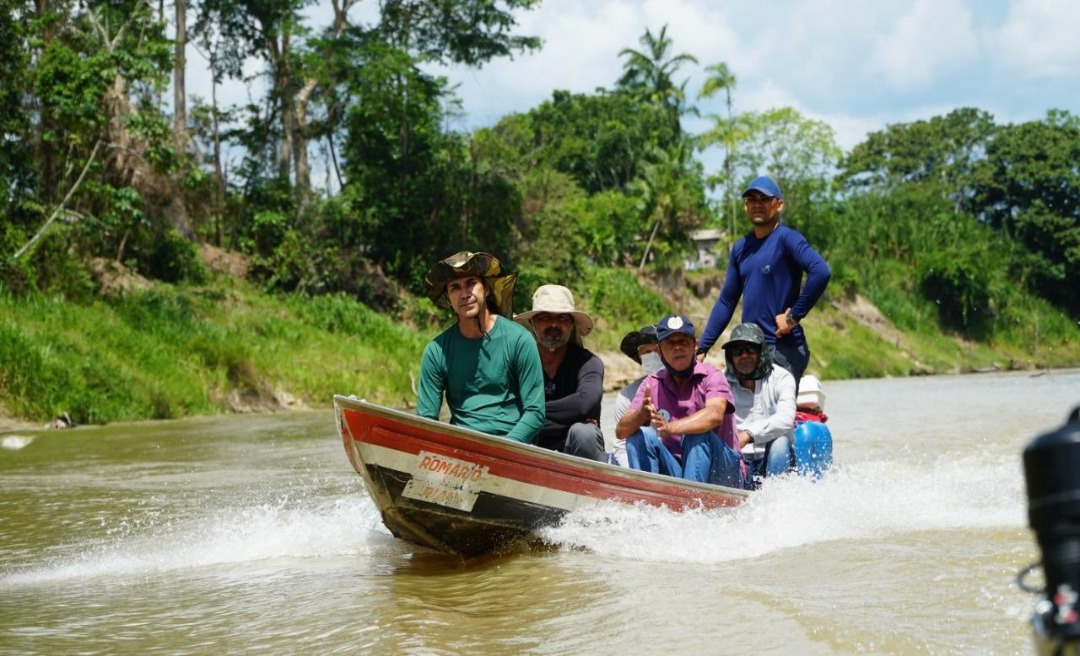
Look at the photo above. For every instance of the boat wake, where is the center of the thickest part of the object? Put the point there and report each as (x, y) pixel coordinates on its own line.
(284, 529)
(874, 500)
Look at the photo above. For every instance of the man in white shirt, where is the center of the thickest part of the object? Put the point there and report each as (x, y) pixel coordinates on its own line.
(764, 403)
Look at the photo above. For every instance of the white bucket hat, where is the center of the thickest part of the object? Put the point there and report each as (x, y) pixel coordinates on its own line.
(556, 299)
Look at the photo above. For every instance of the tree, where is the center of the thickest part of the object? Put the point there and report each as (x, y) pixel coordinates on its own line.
(788, 146)
(460, 31)
(724, 131)
(599, 139)
(648, 74)
(96, 80)
(18, 177)
(417, 192)
(470, 32)
(944, 150)
(1028, 188)
(265, 29)
(672, 198)
(16, 174)
(179, 71)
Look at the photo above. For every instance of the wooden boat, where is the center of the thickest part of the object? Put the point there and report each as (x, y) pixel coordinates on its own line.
(467, 493)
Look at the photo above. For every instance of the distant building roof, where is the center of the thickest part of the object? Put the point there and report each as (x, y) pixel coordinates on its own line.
(708, 234)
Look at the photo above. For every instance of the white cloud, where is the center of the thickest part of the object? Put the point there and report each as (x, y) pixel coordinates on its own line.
(853, 64)
(1039, 38)
(582, 41)
(934, 37)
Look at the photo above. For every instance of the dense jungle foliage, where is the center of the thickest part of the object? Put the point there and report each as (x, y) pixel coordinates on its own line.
(953, 225)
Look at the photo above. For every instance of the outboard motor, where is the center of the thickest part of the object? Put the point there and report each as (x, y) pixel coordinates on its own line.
(1052, 473)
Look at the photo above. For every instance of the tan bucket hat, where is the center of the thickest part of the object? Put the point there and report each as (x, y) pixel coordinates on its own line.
(556, 299)
(465, 264)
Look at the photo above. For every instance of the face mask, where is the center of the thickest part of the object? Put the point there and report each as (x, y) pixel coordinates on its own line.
(681, 374)
(651, 363)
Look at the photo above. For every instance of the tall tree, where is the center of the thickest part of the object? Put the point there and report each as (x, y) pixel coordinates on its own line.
(672, 198)
(18, 174)
(1028, 188)
(179, 71)
(15, 169)
(799, 152)
(648, 73)
(600, 139)
(943, 150)
(265, 29)
(96, 80)
(459, 31)
(724, 131)
(398, 163)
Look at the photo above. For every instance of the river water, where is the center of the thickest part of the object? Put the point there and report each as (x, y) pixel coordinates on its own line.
(254, 535)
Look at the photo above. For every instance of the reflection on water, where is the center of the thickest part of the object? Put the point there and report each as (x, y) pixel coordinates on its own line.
(253, 533)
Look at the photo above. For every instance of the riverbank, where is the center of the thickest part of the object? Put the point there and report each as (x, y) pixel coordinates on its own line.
(158, 351)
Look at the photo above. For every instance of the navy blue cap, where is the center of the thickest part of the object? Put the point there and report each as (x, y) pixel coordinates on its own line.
(672, 324)
(765, 185)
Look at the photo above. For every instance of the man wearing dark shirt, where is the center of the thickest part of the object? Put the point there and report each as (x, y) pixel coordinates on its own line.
(766, 269)
(573, 375)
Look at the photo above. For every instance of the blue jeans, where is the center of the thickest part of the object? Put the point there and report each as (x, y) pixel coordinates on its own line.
(777, 460)
(794, 358)
(705, 458)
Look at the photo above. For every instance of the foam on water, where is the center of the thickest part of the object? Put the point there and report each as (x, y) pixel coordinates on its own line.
(345, 526)
(874, 500)
(15, 442)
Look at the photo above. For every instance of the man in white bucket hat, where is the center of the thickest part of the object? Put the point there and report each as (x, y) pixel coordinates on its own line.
(573, 375)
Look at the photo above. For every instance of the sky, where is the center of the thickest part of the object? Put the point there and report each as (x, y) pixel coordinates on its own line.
(857, 65)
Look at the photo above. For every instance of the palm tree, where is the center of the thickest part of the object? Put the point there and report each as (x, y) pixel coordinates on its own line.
(722, 79)
(648, 73)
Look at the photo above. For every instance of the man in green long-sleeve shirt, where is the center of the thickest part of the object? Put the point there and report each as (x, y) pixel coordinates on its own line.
(485, 365)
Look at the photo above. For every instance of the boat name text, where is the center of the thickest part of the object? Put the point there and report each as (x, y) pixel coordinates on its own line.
(451, 468)
(445, 481)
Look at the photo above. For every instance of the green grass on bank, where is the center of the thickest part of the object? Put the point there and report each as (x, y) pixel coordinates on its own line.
(175, 352)
(223, 347)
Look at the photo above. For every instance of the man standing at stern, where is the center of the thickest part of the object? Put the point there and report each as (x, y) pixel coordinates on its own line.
(485, 365)
(766, 270)
(573, 376)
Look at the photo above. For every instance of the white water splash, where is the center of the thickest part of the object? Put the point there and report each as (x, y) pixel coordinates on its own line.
(871, 501)
(15, 442)
(336, 527)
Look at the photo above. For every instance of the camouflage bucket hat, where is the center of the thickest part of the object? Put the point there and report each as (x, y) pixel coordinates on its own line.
(465, 264)
(748, 333)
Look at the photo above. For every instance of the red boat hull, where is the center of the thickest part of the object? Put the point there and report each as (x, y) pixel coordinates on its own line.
(467, 493)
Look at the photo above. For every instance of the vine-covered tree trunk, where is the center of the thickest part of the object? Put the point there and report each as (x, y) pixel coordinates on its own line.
(179, 67)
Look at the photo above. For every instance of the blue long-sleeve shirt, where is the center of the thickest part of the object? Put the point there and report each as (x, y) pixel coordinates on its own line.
(767, 273)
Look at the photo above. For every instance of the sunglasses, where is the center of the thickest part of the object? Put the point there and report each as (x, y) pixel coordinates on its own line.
(736, 351)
